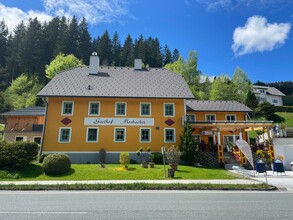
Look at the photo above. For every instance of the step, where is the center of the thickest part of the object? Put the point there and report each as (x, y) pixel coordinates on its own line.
(230, 165)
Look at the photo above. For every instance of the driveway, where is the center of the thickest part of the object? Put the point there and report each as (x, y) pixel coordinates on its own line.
(284, 181)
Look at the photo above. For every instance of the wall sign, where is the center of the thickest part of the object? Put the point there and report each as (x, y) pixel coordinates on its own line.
(119, 121)
(206, 133)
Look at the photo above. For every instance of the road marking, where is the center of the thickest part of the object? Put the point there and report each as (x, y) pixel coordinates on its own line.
(137, 192)
(79, 213)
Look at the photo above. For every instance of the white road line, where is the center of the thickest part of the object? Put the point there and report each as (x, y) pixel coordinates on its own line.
(57, 213)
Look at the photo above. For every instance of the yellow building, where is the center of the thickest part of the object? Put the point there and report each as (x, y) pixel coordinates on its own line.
(217, 125)
(115, 108)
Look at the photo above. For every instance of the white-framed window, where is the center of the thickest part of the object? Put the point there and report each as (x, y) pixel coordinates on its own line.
(120, 109)
(119, 134)
(145, 109)
(38, 139)
(196, 137)
(145, 135)
(92, 134)
(169, 135)
(211, 118)
(275, 101)
(190, 118)
(20, 138)
(262, 99)
(64, 135)
(169, 109)
(230, 118)
(94, 108)
(67, 108)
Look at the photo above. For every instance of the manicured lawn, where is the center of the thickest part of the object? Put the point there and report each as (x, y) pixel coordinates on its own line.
(116, 172)
(288, 118)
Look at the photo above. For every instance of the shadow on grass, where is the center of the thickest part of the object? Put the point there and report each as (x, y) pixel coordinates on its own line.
(131, 169)
(277, 118)
(69, 173)
(31, 171)
(183, 171)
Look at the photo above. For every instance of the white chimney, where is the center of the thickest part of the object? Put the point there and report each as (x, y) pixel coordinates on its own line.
(94, 63)
(137, 64)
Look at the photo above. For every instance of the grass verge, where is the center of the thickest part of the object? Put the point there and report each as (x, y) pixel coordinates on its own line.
(142, 186)
(116, 172)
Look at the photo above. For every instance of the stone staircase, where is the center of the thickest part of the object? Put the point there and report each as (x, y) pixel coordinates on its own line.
(230, 161)
(289, 132)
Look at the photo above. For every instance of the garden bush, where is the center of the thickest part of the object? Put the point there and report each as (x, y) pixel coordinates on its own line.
(18, 154)
(41, 157)
(56, 164)
(157, 157)
(125, 159)
(102, 156)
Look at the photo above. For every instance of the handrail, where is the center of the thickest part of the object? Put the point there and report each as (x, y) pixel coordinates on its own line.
(229, 122)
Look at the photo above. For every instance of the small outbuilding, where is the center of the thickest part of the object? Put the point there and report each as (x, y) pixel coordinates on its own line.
(24, 124)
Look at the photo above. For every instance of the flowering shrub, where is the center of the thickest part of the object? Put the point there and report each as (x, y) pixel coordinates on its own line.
(173, 154)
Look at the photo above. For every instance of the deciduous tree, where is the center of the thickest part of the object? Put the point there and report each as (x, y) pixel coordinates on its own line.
(22, 91)
(60, 63)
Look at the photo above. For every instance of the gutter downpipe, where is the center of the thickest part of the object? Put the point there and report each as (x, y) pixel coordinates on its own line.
(44, 127)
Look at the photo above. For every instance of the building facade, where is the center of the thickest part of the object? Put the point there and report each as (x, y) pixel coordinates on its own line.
(115, 108)
(24, 124)
(268, 94)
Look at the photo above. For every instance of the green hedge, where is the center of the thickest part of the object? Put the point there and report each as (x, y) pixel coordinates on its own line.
(18, 154)
(284, 108)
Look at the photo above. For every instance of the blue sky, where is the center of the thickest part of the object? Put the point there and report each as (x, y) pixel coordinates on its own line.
(254, 35)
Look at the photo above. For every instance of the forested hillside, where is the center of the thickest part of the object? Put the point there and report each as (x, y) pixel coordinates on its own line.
(33, 45)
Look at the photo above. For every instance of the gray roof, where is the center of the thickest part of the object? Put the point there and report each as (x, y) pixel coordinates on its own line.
(30, 111)
(274, 91)
(118, 82)
(269, 90)
(216, 106)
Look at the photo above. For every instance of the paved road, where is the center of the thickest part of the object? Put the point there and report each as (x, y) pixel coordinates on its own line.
(146, 205)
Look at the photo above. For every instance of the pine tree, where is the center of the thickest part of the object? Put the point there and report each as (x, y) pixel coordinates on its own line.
(188, 146)
(16, 45)
(128, 52)
(73, 38)
(3, 42)
(251, 100)
(167, 55)
(156, 53)
(84, 49)
(63, 32)
(105, 49)
(175, 55)
(52, 36)
(33, 50)
(116, 50)
(139, 48)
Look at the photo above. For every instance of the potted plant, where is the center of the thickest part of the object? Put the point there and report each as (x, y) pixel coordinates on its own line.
(144, 156)
(173, 155)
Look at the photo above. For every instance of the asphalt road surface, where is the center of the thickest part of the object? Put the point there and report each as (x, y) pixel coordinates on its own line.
(145, 205)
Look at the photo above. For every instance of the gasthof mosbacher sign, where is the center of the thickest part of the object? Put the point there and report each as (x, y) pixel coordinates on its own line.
(119, 121)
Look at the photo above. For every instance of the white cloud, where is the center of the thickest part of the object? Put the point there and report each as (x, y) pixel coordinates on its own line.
(212, 5)
(258, 35)
(95, 11)
(13, 16)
